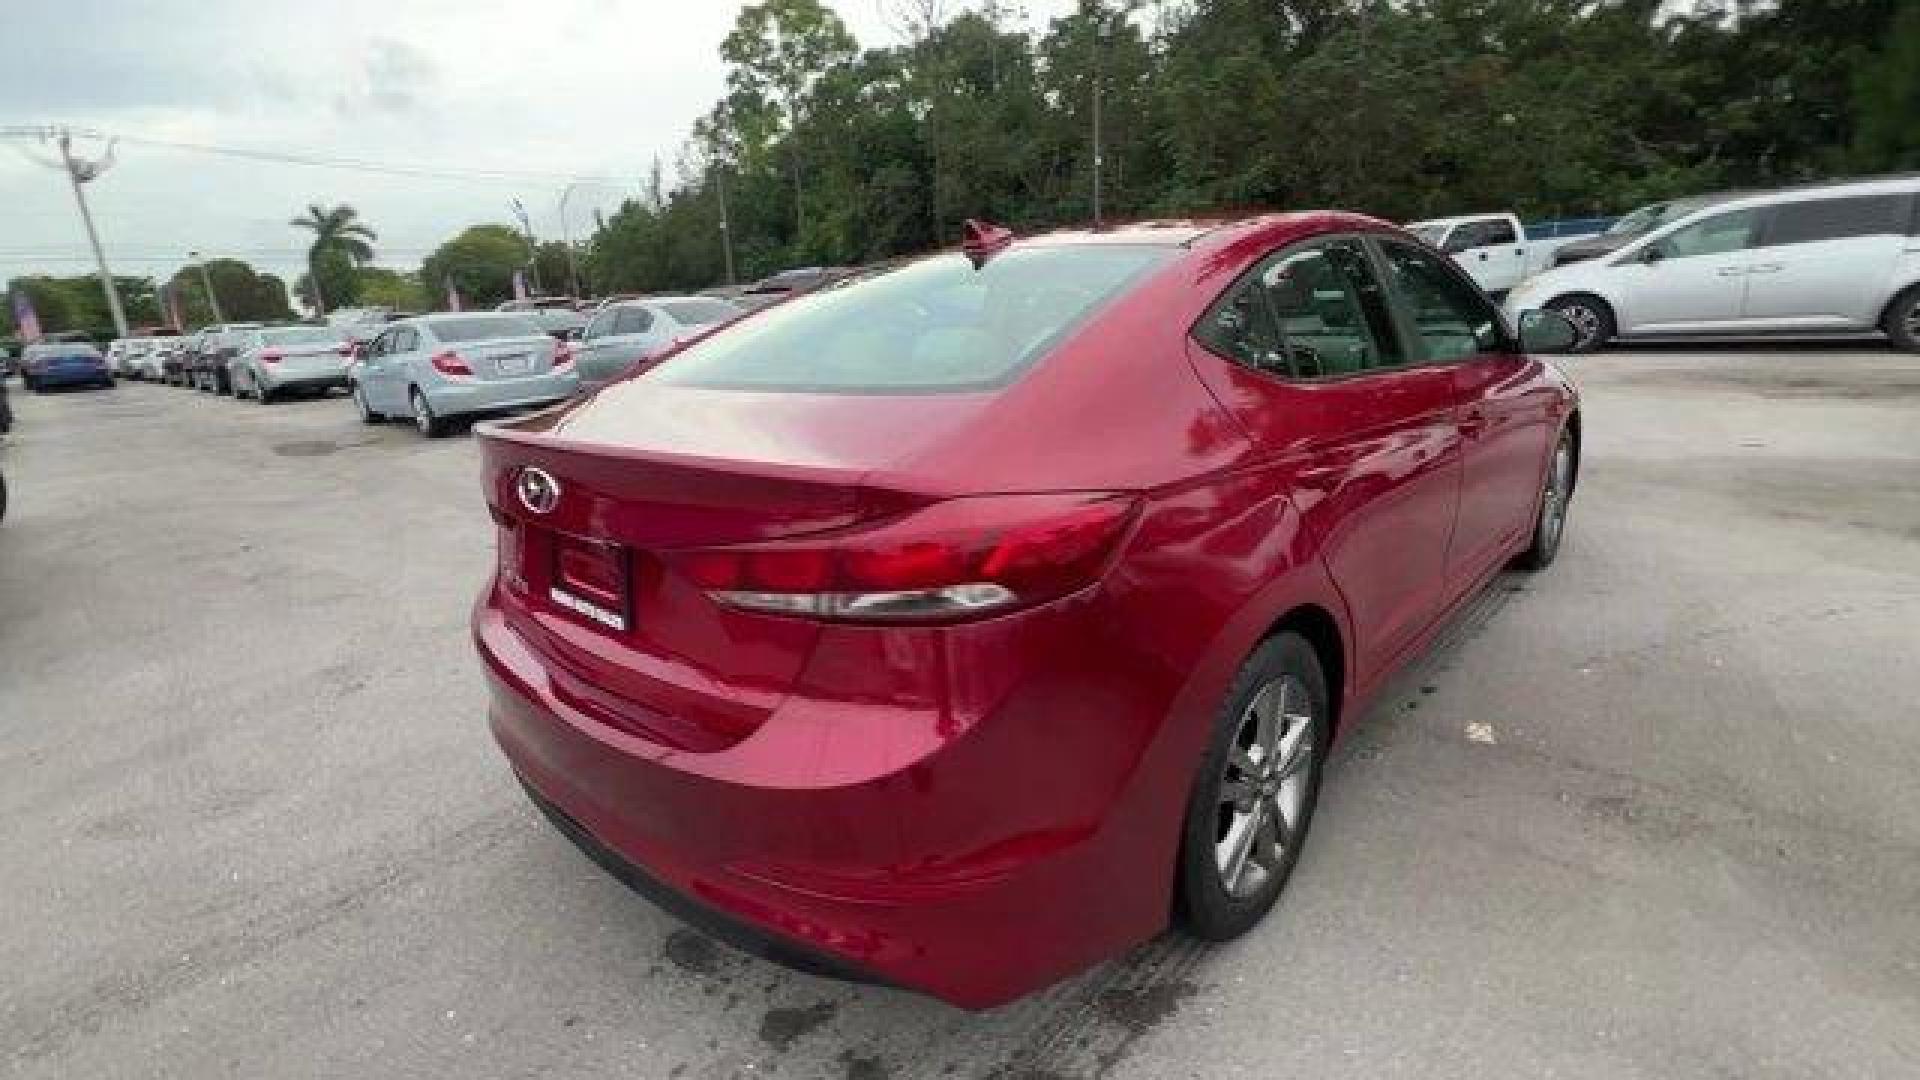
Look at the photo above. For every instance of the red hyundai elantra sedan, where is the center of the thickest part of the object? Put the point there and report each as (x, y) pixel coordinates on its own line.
(961, 626)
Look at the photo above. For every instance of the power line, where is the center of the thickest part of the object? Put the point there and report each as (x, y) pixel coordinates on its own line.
(350, 164)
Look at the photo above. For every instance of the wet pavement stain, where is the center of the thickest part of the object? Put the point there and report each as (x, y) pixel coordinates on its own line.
(306, 448)
(781, 1028)
(689, 951)
(1139, 1008)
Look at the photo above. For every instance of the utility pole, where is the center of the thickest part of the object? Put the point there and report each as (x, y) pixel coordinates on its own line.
(213, 299)
(81, 172)
(1099, 42)
(533, 249)
(726, 234)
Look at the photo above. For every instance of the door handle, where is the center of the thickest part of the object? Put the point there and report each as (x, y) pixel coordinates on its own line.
(1473, 424)
(1766, 268)
(1733, 271)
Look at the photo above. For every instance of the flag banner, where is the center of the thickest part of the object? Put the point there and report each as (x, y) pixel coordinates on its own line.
(25, 319)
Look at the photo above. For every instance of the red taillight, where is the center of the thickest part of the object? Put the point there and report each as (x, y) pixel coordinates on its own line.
(450, 363)
(562, 353)
(271, 356)
(950, 560)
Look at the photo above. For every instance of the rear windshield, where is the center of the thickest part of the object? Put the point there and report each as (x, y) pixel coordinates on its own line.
(698, 312)
(935, 325)
(482, 327)
(300, 335)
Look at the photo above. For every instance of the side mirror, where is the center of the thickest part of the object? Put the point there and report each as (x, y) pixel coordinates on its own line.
(1652, 254)
(1546, 332)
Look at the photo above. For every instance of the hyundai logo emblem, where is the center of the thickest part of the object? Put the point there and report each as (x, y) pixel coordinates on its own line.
(538, 490)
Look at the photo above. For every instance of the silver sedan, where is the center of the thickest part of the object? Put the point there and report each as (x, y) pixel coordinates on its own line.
(282, 359)
(627, 332)
(440, 367)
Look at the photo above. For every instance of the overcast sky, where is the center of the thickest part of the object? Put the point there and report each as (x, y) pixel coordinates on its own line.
(562, 87)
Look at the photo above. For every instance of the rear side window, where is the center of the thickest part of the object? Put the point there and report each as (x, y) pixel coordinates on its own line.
(1814, 220)
(1453, 320)
(937, 325)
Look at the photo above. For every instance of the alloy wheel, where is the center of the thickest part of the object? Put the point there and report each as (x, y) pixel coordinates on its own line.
(422, 414)
(1264, 792)
(1586, 323)
(1553, 503)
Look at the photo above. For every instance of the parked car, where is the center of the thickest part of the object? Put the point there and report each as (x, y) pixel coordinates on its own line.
(560, 322)
(854, 633)
(539, 303)
(6, 425)
(47, 364)
(772, 290)
(439, 368)
(276, 360)
(1831, 258)
(118, 351)
(1634, 225)
(624, 334)
(1494, 249)
(206, 364)
(150, 362)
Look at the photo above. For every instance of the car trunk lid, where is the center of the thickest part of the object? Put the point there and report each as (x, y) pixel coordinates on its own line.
(592, 501)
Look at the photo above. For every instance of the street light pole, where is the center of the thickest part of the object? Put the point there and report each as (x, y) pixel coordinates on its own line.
(213, 299)
(79, 172)
(566, 230)
(533, 249)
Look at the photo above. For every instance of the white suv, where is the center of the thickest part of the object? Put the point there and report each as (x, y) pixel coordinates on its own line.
(1841, 257)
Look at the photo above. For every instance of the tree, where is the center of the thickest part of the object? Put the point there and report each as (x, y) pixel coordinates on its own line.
(341, 242)
(245, 295)
(1886, 98)
(479, 263)
(777, 49)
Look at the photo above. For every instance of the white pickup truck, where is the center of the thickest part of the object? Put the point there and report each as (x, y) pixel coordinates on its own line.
(1493, 249)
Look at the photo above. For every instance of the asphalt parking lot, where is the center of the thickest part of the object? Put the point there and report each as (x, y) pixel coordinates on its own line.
(1651, 814)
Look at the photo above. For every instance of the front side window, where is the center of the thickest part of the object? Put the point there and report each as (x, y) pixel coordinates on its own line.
(1814, 220)
(1717, 235)
(1313, 312)
(1451, 317)
(699, 312)
(1478, 234)
(941, 324)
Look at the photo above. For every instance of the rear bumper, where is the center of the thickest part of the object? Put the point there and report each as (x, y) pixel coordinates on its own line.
(975, 860)
(303, 380)
(474, 398)
(72, 377)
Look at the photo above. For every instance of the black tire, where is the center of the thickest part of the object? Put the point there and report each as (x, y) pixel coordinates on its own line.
(222, 382)
(367, 415)
(3, 497)
(261, 392)
(1556, 498)
(1902, 323)
(429, 425)
(1592, 319)
(1209, 905)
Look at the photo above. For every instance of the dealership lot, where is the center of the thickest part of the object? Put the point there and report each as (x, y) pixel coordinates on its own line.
(1648, 814)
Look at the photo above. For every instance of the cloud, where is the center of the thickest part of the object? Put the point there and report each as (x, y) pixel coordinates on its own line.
(562, 87)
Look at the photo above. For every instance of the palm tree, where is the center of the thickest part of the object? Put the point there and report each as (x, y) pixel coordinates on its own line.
(338, 230)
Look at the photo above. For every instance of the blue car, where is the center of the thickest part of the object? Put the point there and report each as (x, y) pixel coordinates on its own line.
(48, 364)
